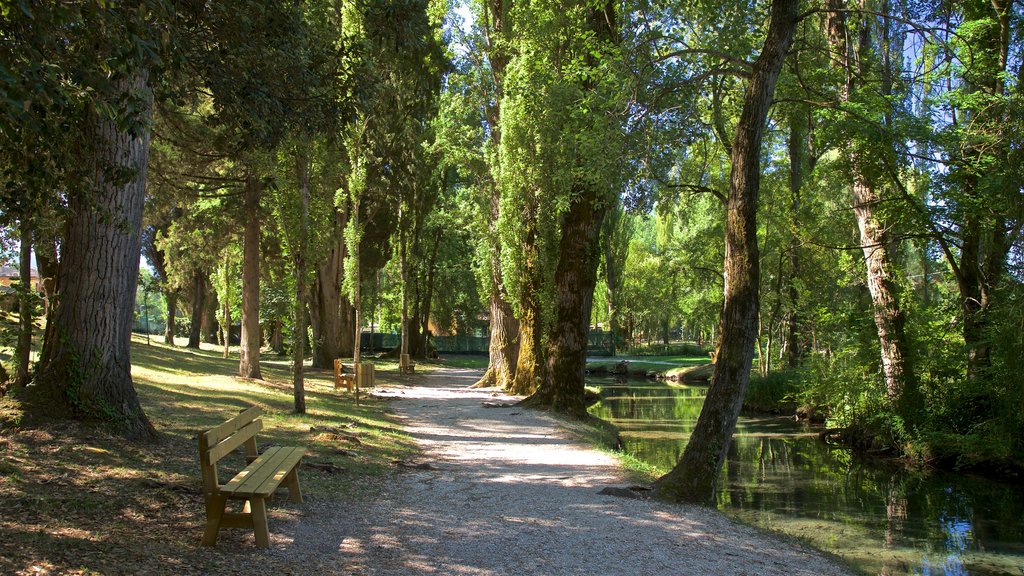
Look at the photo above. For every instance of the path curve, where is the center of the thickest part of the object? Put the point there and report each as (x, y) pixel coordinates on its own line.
(509, 493)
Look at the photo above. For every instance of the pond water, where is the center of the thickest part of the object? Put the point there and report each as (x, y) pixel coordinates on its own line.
(881, 518)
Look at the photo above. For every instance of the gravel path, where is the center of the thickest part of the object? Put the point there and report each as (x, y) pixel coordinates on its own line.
(507, 492)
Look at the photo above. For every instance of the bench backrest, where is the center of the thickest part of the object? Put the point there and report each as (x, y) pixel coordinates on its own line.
(220, 441)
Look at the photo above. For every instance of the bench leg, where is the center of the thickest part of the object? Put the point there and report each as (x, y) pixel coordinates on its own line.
(214, 512)
(294, 492)
(259, 522)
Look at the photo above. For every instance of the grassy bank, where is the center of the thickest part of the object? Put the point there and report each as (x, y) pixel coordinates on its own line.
(72, 495)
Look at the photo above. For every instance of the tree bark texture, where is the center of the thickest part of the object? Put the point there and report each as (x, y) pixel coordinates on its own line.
(529, 364)
(299, 260)
(325, 306)
(694, 478)
(85, 371)
(249, 349)
(875, 243)
(171, 302)
(574, 280)
(198, 307)
(23, 349)
(210, 325)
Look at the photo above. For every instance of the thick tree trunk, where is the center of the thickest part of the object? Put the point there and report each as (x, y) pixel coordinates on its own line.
(23, 349)
(503, 349)
(528, 366)
(574, 280)
(210, 326)
(881, 279)
(249, 348)
(889, 318)
(198, 307)
(326, 301)
(560, 386)
(86, 371)
(694, 478)
(277, 337)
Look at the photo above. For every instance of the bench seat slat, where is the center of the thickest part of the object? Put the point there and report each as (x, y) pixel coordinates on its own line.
(265, 474)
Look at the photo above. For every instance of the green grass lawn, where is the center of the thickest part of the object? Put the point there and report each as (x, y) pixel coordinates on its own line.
(644, 364)
(470, 361)
(71, 493)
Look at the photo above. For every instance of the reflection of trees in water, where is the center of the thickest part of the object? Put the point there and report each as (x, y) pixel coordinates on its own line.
(771, 468)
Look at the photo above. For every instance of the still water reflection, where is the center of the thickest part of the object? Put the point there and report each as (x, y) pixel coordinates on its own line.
(881, 518)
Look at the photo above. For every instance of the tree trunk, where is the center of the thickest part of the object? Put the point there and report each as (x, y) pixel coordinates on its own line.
(797, 166)
(277, 337)
(574, 280)
(23, 350)
(249, 348)
(561, 383)
(299, 259)
(47, 267)
(881, 279)
(403, 267)
(198, 306)
(86, 371)
(326, 301)
(694, 478)
(226, 303)
(503, 346)
(357, 321)
(528, 366)
(503, 349)
(428, 296)
(348, 321)
(210, 326)
(171, 300)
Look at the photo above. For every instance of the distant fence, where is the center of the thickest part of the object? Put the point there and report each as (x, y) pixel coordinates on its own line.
(461, 344)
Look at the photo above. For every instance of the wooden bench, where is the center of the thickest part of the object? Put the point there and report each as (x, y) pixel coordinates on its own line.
(405, 366)
(341, 378)
(255, 484)
(346, 375)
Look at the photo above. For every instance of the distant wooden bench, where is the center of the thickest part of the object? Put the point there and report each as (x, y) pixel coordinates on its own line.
(346, 375)
(405, 366)
(255, 484)
(341, 378)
